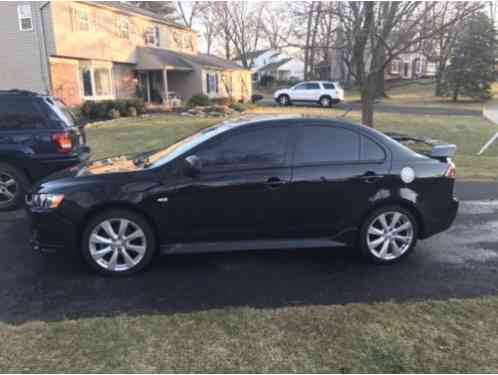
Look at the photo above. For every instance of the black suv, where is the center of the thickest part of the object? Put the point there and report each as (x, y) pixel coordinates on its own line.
(38, 136)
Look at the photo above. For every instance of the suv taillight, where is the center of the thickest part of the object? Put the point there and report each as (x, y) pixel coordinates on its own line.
(451, 171)
(63, 142)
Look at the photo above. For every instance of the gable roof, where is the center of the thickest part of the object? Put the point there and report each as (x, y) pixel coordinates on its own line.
(254, 54)
(128, 8)
(149, 58)
(274, 65)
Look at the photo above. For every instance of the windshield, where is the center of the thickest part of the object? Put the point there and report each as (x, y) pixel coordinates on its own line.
(164, 156)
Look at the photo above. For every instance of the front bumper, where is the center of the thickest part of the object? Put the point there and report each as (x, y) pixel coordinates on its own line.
(50, 232)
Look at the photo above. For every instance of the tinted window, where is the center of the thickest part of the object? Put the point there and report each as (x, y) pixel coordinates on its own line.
(308, 86)
(328, 86)
(20, 114)
(371, 150)
(320, 144)
(261, 146)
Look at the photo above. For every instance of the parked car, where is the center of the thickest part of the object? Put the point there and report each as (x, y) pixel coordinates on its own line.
(324, 93)
(38, 136)
(286, 182)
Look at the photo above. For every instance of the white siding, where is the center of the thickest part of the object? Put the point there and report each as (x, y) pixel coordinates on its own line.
(22, 59)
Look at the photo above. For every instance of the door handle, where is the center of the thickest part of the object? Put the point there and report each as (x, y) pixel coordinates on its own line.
(274, 182)
(370, 177)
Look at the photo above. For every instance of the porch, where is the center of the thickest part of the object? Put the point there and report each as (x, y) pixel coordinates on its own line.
(163, 77)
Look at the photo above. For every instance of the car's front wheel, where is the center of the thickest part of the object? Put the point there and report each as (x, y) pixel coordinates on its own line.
(388, 235)
(284, 100)
(118, 242)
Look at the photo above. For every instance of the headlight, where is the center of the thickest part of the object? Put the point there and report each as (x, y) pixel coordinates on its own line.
(46, 201)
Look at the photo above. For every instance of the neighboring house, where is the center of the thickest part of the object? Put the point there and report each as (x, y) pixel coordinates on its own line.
(270, 62)
(83, 50)
(410, 66)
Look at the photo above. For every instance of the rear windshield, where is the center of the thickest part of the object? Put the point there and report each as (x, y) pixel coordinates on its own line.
(63, 113)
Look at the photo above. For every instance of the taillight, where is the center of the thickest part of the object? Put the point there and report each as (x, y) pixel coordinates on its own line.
(451, 171)
(63, 142)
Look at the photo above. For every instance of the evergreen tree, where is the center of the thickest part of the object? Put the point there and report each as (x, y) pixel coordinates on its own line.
(472, 62)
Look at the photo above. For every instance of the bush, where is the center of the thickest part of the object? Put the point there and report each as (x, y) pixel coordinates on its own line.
(221, 101)
(113, 114)
(239, 107)
(110, 109)
(256, 98)
(198, 100)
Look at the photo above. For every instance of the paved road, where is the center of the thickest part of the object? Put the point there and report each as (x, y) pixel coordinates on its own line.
(462, 262)
(405, 110)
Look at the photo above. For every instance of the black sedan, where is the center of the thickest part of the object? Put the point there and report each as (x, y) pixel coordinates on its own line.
(261, 183)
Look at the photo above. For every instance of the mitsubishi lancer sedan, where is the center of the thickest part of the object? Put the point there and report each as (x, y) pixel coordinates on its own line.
(257, 183)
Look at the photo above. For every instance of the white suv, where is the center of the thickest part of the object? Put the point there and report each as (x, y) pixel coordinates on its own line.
(324, 93)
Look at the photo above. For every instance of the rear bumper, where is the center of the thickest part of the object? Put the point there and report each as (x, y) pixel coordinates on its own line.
(46, 167)
(442, 220)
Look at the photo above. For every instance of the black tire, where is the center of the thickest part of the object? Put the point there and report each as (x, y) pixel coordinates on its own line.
(10, 173)
(284, 100)
(114, 214)
(325, 102)
(387, 210)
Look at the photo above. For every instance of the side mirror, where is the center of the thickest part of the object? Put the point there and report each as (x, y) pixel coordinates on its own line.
(192, 165)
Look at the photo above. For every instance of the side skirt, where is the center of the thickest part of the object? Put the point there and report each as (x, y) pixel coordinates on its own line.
(225, 246)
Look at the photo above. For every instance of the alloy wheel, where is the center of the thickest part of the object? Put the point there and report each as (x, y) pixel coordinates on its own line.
(283, 100)
(325, 102)
(8, 188)
(117, 244)
(390, 235)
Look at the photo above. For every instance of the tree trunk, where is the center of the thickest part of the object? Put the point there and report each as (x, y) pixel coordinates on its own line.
(368, 91)
(456, 92)
(380, 91)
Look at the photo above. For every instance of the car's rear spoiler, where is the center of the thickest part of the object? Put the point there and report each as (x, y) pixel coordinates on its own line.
(439, 150)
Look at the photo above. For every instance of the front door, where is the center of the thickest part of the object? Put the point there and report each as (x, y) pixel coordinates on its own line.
(332, 179)
(239, 193)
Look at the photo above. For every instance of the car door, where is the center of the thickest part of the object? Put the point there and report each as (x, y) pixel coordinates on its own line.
(299, 92)
(238, 193)
(329, 89)
(331, 182)
(312, 92)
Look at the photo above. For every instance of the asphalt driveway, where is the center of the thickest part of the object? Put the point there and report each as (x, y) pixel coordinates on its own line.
(462, 262)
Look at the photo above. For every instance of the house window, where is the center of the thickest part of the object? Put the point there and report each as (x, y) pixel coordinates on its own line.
(124, 28)
(81, 20)
(151, 36)
(395, 67)
(212, 83)
(25, 18)
(96, 81)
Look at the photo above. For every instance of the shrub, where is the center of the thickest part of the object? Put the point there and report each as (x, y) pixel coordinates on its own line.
(256, 97)
(113, 114)
(198, 100)
(106, 109)
(239, 107)
(222, 101)
(132, 111)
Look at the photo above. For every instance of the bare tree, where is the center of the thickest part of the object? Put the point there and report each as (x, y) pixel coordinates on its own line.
(164, 9)
(277, 25)
(241, 25)
(188, 10)
(380, 31)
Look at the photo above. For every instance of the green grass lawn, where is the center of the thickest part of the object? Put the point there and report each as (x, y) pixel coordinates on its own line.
(468, 133)
(451, 336)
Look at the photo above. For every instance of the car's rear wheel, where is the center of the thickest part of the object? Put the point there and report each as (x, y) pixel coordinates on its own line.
(118, 242)
(284, 100)
(388, 235)
(13, 187)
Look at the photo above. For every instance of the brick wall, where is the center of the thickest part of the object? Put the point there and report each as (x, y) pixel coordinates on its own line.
(125, 81)
(65, 84)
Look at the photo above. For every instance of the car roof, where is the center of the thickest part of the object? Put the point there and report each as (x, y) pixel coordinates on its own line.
(23, 93)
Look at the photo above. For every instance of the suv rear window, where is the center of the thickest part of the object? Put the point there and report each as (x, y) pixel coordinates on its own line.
(328, 86)
(20, 114)
(60, 112)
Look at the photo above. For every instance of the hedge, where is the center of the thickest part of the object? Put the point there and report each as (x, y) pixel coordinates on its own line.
(106, 109)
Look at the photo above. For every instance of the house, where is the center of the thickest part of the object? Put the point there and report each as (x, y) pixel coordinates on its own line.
(275, 64)
(80, 50)
(410, 66)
